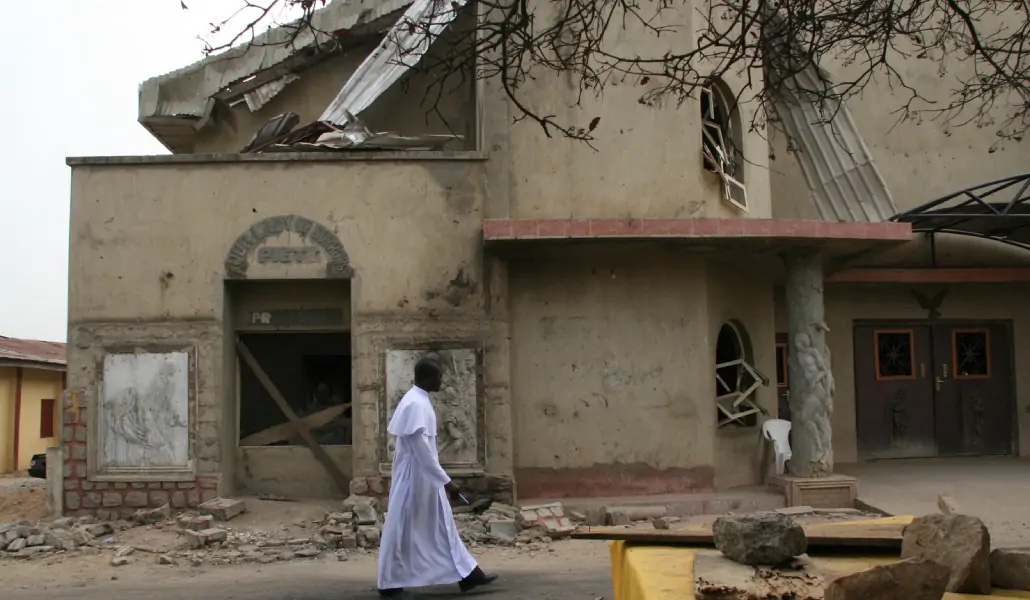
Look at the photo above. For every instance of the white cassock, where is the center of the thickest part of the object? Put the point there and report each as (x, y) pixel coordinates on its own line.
(420, 544)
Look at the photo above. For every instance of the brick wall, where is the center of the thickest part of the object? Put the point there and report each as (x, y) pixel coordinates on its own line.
(112, 500)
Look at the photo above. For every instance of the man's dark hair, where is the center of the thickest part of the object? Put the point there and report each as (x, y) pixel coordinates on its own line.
(426, 368)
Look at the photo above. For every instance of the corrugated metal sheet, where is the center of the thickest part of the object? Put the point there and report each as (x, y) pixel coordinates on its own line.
(13, 349)
(185, 92)
(259, 97)
(842, 177)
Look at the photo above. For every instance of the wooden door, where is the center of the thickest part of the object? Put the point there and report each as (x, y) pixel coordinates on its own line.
(894, 392)
(973, 381)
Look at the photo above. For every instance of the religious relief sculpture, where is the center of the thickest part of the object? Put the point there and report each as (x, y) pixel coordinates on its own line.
(814, 399)
(456, 403)
(143, 416)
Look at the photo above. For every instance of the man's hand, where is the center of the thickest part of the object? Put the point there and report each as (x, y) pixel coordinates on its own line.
(452, 490)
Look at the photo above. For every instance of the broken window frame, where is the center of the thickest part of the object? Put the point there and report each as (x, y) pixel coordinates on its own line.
(738, 403)
(719, 153)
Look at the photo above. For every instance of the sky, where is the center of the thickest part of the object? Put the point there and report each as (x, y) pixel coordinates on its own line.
(71, 71)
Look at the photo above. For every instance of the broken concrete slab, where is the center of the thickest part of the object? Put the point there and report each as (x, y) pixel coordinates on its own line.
(759, 538)
(960, 542)
(913, 579)
(196, 523)
(199, 539)
(793, 511)
(719, 578)
(1010, 568)
(550, 519)
(152, 515)
(665, 522)
(624, 515)
(223, 509)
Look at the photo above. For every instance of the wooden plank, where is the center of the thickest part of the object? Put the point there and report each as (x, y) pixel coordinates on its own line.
(285, 431)
(320, 454)
(878, 533)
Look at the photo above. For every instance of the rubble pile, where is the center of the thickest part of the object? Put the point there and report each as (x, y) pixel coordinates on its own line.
(205, 537)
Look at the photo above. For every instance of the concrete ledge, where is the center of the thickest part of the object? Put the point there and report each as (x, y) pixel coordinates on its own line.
(835, 491)
(544, 229)
(234, 157)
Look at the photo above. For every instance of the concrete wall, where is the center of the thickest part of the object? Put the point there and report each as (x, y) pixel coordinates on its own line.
(744, 296)
(848, 303)
(149, 243)
(37, 385)
(289, 471)
(8, 383)
(611, 374)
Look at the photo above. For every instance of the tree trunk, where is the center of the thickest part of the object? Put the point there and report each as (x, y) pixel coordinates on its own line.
(811, 379)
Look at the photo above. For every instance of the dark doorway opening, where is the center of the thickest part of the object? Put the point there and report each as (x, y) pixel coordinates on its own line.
(313, 372)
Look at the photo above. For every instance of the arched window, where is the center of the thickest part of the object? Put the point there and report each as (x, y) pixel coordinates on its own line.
(735, 379)
(722, 141)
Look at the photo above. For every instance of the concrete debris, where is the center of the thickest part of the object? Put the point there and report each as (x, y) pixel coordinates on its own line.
(759, 538)
(164, 559)
(795, 511)
(204, 537)
(550, 519)
(196, 523)
(119, 561)
(947, 505)
(626, 515)
(152, 516)
(665, 522)
(913, 579)
(960, 542)
(223, 509)
(1010, 568)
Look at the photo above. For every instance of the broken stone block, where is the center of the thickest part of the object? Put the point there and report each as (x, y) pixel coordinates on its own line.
(368, 536)
(348, 541)
(164, 559)
(947, 505)
(36, 540)
(124, 551)
(759, 539)
(223, 509)
(153, 515)
(1010, 568)
(504, 530)
(98, 529)
(913, 579)
(624, 515)
(63, 523)
(596, 516)
(365, 514)
(358, 487)
(793, 511)
(959, 542)
(309, 552)
(351, 501)
(16, 545)
(665, 522)
(199, 523)
(199, 539)
(119, 561)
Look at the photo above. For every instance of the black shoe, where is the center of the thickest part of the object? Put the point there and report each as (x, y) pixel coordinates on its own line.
(391, 593)
(476, 579)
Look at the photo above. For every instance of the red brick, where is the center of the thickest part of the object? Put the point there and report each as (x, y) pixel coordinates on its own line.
(523, 228)
(578, 228)
(551, 228)
(731, 227)
(603, 227)
(756, 227)
(629, 227)
(681, 227)
(496, 228)
(706, 227)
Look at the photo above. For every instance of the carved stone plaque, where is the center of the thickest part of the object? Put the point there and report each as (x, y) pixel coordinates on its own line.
(456, 404)
(287, 241)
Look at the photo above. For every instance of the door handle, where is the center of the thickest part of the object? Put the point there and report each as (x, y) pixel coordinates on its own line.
(922, 370)
(938, 381)
(944, 370)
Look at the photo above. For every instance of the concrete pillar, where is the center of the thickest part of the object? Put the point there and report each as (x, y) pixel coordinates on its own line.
(811, 379)
(55, 481)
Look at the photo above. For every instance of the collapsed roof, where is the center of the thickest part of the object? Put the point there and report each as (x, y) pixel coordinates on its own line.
(177, 105)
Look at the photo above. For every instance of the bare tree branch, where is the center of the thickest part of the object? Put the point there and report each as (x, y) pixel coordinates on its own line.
(669, 49)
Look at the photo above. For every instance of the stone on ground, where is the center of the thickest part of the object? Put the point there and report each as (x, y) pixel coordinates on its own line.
(223, 509)
(913, 579)
(624, 515)
(548, 518)
(1010, 568)
(665, 522)
(759, 538)
(153, 515)
(198, 523)
(959, 542)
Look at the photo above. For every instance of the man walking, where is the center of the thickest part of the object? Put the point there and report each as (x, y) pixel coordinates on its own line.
(420, 545)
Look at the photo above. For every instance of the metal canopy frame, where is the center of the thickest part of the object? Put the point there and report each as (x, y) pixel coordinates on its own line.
(998, 210)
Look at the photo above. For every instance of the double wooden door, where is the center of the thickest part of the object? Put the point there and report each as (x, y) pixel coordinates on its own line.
(934, 389)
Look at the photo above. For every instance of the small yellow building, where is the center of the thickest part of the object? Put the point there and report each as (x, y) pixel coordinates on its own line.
(32, 377)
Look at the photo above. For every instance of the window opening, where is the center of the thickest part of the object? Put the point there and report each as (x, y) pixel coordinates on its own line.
(719, 145)
(736, 380)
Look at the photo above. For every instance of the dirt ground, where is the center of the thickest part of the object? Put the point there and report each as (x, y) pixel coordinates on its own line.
(21, 498)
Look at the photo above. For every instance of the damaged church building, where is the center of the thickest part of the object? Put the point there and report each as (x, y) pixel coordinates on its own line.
(245, 312)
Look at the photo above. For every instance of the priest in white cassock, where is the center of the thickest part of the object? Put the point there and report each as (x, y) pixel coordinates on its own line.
(420, 545)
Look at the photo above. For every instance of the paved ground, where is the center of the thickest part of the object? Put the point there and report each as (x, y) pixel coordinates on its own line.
(994, 489)
(575, 570)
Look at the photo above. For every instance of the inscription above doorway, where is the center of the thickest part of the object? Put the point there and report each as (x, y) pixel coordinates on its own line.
(287, 246)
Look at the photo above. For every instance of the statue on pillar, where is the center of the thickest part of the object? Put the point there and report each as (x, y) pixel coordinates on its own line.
(815, 400)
